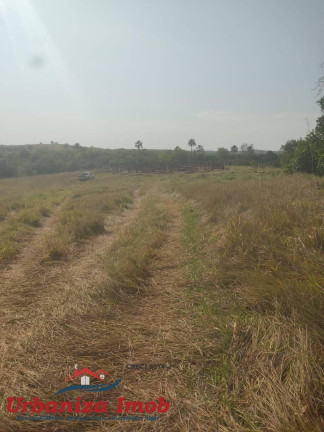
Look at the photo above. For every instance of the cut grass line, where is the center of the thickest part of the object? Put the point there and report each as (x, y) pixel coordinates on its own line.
(128, 262)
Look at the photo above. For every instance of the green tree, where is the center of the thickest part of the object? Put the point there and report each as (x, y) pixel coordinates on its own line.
(139, 144)
(200, 149)
(308, 156)
(200, 152)
(6, 170)
(271, 158)
(244, 147)
(192, 144)
(234, 150)
(320, 84)
(287, 151)
(250, 150)
(222, 154)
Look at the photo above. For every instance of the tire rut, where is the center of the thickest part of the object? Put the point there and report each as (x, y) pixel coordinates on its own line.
(36, 299)
(154, 330)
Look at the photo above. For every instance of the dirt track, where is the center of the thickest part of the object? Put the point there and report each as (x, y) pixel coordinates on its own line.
(36, 297)
(154, 330)
(49, 311)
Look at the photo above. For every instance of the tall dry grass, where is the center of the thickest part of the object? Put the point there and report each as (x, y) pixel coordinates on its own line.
(24, 203)
(74, 324)
(84, 214)
(257, 267)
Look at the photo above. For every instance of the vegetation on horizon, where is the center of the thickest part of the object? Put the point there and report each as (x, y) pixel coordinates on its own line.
(53, 158)
(307, 154)
(304, 155)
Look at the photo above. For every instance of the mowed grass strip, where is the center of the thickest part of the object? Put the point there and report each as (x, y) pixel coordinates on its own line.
(129, 262)
(255, 260)
(81, 311)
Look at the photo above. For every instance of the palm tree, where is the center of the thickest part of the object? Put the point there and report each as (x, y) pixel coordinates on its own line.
(191, 144)
(200, 149)
(139, 144)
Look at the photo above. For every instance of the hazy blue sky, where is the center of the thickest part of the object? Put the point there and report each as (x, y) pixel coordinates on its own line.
(108, 72)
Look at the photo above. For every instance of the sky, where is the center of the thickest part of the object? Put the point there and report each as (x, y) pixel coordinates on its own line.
(106, 73)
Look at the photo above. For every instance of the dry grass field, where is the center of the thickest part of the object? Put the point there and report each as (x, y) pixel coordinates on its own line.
(219, 276)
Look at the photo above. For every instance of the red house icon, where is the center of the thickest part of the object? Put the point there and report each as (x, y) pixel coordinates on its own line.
(86, 373)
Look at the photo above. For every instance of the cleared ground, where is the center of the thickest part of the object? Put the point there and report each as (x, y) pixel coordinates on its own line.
(216, 276)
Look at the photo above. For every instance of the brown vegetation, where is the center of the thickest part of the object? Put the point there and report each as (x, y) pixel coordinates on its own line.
(258, 276)
(219, 275)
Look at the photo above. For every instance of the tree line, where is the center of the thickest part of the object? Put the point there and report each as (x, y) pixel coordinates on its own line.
(306, 154)
(35, 159)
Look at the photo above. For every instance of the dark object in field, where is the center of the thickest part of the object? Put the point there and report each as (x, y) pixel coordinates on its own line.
(86, 176)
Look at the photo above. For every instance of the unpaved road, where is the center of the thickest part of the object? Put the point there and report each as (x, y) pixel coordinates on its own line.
(154, 330)
(49, 318)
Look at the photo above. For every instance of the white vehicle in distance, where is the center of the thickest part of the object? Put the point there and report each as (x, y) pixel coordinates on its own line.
(86, 176)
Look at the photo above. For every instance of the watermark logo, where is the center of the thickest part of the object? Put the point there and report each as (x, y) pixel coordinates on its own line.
(86, 375)
(77, 409)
